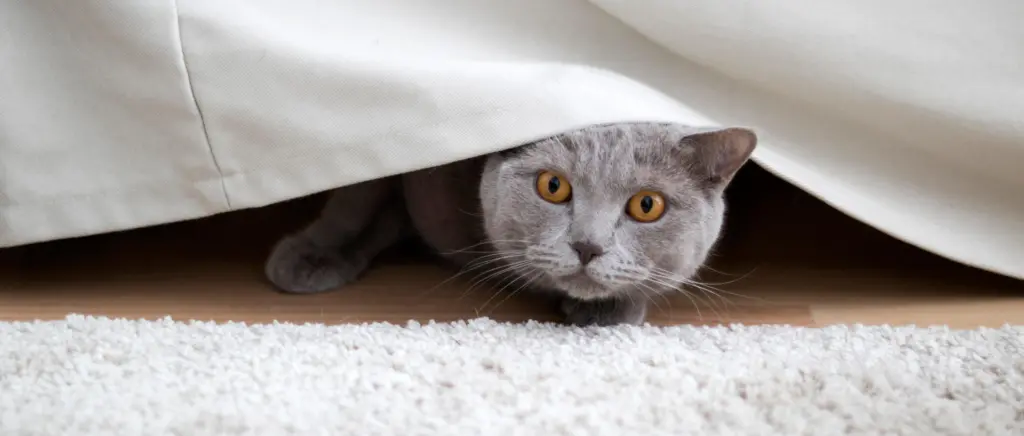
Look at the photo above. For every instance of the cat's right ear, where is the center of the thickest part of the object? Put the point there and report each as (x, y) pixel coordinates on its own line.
(716, 155)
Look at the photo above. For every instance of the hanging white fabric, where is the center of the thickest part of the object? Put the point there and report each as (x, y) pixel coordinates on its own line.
(115, 115)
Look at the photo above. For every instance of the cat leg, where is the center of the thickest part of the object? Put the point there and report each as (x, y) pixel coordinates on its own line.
(604, 312)
(356, 224)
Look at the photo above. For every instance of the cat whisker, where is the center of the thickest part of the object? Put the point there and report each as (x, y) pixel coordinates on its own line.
(516, 276)
(490, 258)
(725, 303)
(533, 277)
(509, 277)
(648, 291)
(720, 272)
(506, 282)
(491, 242)
(745, 275)
(685, 281)
(693, 302)
(675, 284)
(475, 264)
(716, 271)
(708, 289)
(664, 298)
(631, 300)
(472, 214)
(714, 306)
(494, 272)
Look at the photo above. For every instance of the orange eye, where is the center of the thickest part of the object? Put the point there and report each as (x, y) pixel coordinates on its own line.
(646, 206)
(553, 187)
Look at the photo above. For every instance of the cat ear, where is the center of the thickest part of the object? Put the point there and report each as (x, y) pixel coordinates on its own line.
(716, 155)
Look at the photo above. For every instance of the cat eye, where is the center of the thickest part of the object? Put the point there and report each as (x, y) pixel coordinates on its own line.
(553, 188)
(646, 206)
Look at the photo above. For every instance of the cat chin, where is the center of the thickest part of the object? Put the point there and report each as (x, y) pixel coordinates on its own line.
(586, 290)
(591, 296)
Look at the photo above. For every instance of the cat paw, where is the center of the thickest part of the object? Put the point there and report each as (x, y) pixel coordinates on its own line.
(603, 312)
(299, 266)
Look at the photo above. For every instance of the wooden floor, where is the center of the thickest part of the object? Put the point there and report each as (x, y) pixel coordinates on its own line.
(787, 258)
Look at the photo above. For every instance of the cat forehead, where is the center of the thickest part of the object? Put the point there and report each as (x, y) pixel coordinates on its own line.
(613, 152)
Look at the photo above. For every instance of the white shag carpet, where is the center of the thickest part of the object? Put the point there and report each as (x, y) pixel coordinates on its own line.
(86, 375)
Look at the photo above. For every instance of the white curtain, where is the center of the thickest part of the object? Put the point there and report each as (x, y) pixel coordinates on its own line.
(119, 114)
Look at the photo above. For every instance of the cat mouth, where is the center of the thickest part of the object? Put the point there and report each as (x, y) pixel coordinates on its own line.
(581, 277)
(582, 286)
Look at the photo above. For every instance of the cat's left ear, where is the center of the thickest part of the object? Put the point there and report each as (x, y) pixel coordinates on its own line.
(716, 155)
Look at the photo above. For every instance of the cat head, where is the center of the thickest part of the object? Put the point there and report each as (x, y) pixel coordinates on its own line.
(614, 210)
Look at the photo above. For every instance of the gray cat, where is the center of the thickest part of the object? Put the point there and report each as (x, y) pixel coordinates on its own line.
(606, 217)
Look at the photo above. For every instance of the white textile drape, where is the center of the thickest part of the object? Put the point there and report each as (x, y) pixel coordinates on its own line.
(118, 114)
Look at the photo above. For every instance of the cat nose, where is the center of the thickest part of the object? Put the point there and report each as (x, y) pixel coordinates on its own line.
(586, 251)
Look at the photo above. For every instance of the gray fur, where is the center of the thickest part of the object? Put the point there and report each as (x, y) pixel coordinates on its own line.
(356, 224)
(486, 212)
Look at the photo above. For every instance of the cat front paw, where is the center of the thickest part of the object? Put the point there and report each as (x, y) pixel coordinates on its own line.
(299, 266)
(603, 312)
